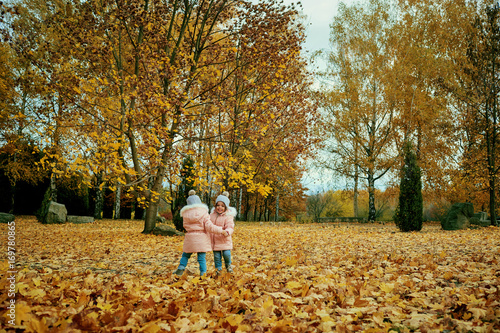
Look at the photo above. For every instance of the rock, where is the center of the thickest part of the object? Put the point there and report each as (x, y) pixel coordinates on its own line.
(458, 216)
(161, 219)
(79, 219)
(6, 218)
(482, 216)
(480, 219)
(56, 213)
(165, 230)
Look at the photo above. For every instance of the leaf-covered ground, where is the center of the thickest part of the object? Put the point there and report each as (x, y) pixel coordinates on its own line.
(109, 277)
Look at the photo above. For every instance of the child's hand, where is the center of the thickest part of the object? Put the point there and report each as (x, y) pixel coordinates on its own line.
(226, 233)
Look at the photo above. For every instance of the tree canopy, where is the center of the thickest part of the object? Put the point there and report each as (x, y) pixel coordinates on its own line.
(123, 91)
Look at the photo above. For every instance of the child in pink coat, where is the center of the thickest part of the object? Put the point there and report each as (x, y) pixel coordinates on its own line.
(223, 216)
(196, 221)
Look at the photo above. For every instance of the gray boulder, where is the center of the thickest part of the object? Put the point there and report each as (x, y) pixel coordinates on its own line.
(6, 218)
(482, 216)
(480, 219)
(56, 213)
(80, 219)
(458, 216)
(165, 230)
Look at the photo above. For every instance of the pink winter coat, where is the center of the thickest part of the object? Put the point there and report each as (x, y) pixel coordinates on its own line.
(196, 221)
(226, 221)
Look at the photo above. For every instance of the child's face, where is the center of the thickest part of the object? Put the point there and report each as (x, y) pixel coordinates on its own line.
(220, 207)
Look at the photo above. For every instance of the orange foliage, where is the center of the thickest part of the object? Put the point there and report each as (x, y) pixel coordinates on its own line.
(107, 276)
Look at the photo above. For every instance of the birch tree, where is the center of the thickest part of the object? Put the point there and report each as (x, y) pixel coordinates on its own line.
(357, 98)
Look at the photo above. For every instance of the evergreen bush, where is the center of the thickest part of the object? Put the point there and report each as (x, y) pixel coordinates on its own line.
(408, 214)
(187, 184)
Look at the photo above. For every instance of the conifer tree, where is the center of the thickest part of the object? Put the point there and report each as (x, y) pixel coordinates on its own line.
(187, 184)
(408, 215)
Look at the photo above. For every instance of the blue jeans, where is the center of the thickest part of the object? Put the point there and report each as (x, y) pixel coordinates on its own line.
(218, 260)
(201, 261)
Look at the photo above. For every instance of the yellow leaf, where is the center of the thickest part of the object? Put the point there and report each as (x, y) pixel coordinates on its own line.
(93, 315)
(294, 285)
(36, 281)
(105, 307)
(234, 319)
(4, 265)
(267, 307)
(378, 317)
(291, 261)
(35, 293)
(325, 316)
(39, 326)
(23, 313)
(478, 313)
(150, 328)
(22, 288)
(387, 287)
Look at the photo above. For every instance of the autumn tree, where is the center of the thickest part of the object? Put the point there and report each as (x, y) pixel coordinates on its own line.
(40, 111)
(357, 97)
(316, 204)
(408, 215)
(425, 38)
(7, 82)
(334, 205)
(18, 150)
(482, 93)
(134, 81)
(261, 123)
(292, 198)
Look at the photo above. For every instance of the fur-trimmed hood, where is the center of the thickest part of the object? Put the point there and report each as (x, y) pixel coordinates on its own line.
(231, 211)
(185, 208)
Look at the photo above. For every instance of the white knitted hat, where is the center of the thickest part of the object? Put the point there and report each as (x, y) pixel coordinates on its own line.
(193, 198)
(224, 197)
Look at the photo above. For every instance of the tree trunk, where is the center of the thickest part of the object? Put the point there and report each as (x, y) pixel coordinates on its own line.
(53, 188)
(210, 204)
(238, 209)
(99, 200)
(254, 217)
(266, 210)
(492, 157)
(493, 217)
(152, 209)
(118, 195)
(356, 192)
(12, 197)
(150, 220)
(247, 205)
(277, 207)
(491, 179)
(371, 197)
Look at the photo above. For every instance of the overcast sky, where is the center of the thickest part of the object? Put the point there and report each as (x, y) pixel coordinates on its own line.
(320, 14)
